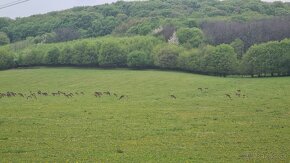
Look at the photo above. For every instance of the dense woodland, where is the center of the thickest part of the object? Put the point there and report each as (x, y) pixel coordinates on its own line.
(245, 37)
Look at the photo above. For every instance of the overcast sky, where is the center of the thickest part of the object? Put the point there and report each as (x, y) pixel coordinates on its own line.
(43, 6)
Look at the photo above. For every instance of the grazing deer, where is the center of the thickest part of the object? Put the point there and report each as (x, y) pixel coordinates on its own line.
(238, 94)
(172, 96)
(20, 94)
(107, 93)
(98, 94)
(121, 97)
(229, 96)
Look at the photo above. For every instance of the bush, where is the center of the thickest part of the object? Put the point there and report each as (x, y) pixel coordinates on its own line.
(112, 55)
(31, 57)
(4, 39)
(190, 37)
(6, 59)
(220, 60)
(84, 53)
(138, 59)
(166, 56)
(268, 58)
(65, 57)
(190, 60)
(52, 56)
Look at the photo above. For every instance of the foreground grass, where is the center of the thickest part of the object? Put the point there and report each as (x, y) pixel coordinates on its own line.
(148, 125)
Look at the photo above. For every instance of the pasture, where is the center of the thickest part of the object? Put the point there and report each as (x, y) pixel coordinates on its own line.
(163, 117)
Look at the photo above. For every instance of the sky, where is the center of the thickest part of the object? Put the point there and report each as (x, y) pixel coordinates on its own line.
(33, 7)
(43, 6)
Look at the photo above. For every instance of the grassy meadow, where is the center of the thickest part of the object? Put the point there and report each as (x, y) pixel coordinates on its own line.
(148, 124)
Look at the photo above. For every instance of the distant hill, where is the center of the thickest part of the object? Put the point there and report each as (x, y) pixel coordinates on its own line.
(138, 18)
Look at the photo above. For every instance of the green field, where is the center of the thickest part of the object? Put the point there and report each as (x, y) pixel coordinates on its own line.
(148, 125)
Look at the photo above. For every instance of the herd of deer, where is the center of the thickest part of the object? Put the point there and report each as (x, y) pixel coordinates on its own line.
(97, 94)
(238, 93)
(100, 94)
(34, 95)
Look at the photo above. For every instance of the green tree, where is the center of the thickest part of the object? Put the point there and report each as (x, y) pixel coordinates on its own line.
(65, 57)
(166, 56)
(32, 57)
(239, 47)
(190, 37)
(6, 59)
(112, 54)
(84, 53)
(52, 56)
(4, 39)
(138, 59)
(220, 60)
(190, 60)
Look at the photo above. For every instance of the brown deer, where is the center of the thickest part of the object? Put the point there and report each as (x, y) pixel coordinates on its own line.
(229, 96)
(172, 96)
(107, 93)
(121, 97)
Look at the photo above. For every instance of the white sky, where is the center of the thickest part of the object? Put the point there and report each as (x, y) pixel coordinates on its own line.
(43, 6)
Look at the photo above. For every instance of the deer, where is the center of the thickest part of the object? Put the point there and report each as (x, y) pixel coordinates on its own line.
(172, 96)
(229, 96)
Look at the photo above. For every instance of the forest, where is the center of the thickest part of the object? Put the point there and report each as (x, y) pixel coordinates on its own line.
(232, 37)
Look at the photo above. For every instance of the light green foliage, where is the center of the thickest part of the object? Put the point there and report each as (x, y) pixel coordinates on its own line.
(52, 56)
(239, 47)
(4, 39)
(190, 60)
(103, 19)
(139, 59)
(220, 60)
(66, 55)
(32, 57)
(112, 55)
(190, 37)
(6, 59)
(149, 125)
(104, 26)
(166, 56)
(268, 58)
(84, 53)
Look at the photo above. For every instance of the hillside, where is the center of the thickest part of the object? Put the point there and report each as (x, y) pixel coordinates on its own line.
(130, 18)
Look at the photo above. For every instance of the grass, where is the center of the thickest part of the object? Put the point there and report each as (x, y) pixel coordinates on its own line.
(148, 125)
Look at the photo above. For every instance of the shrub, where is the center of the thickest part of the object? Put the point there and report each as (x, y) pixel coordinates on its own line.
(84, 53)
(220, 60)
(166, 56)
(112, 55)
(6, 59)
(52, 56)
(138, 59)
(190, 37)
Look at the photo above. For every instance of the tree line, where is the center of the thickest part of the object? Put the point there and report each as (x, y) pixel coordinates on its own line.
(267, 59)
(250, 32)
(135, 18)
